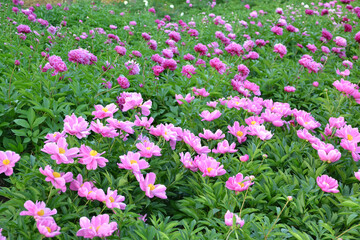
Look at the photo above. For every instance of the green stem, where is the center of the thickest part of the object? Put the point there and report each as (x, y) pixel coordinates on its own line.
(276, 220)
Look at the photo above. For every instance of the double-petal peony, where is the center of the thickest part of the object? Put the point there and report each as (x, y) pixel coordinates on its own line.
(238, 183)
(229, 216)
(76, 126)
(327, 184)
(207, 116)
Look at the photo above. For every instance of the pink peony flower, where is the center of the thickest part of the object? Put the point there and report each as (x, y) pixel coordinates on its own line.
(132, 161)
(188, 161)
(238, 131)
(48, 227)
(207, 116)
(113, 200)
(104, 112)
(7, 162)
(327, 184)
(212, 136)
(59, 151)
(91, 158)
(357, 174)
(188, 70)
(200, 92)
(238, 183)
(76, 126)
(224, 147)
(289, 89)
(105, 131)
(98, 227)
(229, 218)
(58, 180)
(281, 49)
(209, 166)
(244, 158)
(151, 190)
(330, 156)
(38, 210)
(148, 149)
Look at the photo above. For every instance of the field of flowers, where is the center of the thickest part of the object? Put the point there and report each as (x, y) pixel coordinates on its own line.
(191, 120)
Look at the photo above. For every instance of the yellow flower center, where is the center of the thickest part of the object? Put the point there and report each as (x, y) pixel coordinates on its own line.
(237, 103)
(148, 148)
(55, 135)
(306, 122)
(56, 175)
(133, 161)
(111, 199)
(93, 153)
(209, 169)
(90, 192)
(165, 132)
(97, 228)
(349, 137)
(49, 230)
(151, 186)
(328, 161)
(6, 162)
(41, 212)
(239, 133)
(105, 110)
(61, 150)
(253, 122)
(272, 108)
(241, 184)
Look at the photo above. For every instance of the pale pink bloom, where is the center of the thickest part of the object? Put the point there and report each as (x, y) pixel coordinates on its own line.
(58, 180)
(37, 210)
(98, 227)
(254, 120)
(357, 174)
(194, 142)
(212, 136)
(224, 147)
(330, 156)
(132, 161)
(327, 184)
(114, 200)
(337, 122)
(207, 116)
(148, 149)
(7, 162)
(151, 190)
(340, 41)
(346, 87)
(188, 98)
(239, 183)
(238, 131)
(212, 104)
(348, 133)
(105, 131)
(48, 227)
(59, 151)
(343, 73)
(91, 158)
(104, 112)
(281, 49)
(277, 30)
(304, 134)
(165, 130)
(188, 161)
(209, 166)
(76, 126)
(124, 126)
(349, 145)
(229, 216)
(260, 131)
(77, 183)
(54, 137)
(306, 120)
(143, 122)
(244, 158)
(289, 89)
(274, 118)
(200, 92)
(87, 190)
